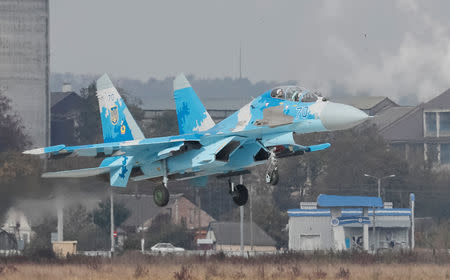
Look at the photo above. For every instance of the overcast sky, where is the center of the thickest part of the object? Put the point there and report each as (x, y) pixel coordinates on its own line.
(392, 48)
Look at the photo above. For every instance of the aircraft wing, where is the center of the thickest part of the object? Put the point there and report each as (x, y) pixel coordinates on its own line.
(165, 145)
(78, 173)
(120, 157)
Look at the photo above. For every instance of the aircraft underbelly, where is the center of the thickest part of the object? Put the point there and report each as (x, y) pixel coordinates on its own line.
(234, 157)
(210, 160)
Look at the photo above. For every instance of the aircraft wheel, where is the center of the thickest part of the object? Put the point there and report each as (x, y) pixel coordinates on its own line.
(161, 196)
(240, 195)
(272, 177)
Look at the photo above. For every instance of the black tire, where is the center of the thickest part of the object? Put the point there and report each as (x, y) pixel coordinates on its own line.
(240, 195)
(161, 196)
(272, 177)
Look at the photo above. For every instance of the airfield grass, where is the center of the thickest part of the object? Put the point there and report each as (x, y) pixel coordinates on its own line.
(134, 266)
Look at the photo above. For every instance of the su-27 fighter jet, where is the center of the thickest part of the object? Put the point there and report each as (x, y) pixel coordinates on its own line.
(259, 133)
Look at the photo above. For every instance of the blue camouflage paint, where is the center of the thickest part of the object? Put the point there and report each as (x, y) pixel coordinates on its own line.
(117, 122)
(195, 153)
(192, 115)
(120, 131)
(299, 111)
(124, 169)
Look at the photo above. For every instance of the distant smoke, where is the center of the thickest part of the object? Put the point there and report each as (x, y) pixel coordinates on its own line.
(415, 70)
(36, 210)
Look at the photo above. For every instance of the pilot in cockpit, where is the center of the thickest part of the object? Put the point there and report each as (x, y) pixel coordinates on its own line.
(279, 93)
(296, 96)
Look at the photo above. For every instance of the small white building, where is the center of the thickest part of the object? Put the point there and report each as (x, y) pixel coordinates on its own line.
(16, 223)
(313, 228)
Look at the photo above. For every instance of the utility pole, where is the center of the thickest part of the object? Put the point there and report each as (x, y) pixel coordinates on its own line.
(375, 239)
(241, 210)
(251, 218)
(373, 209)
(60, 216)
(412, 199)
(379, 187)
(199, 208)
(379, 181)
(111, 202)
(240, 60)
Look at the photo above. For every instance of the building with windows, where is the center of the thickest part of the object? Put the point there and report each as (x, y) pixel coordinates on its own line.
(422, 133)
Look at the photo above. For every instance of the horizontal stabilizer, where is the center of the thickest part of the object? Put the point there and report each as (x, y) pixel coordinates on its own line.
(41, 151)
(77, 173)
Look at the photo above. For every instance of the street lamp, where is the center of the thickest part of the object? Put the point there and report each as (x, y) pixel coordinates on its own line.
(379, 181)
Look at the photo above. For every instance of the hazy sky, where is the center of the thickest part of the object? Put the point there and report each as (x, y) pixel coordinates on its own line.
(392, 48)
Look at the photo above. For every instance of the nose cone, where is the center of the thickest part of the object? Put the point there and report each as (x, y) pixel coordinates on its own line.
(336, 116)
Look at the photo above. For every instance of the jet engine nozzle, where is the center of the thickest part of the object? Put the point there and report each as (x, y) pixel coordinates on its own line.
(336, 116)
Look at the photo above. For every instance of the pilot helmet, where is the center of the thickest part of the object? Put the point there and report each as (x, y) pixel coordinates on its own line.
(279, 92)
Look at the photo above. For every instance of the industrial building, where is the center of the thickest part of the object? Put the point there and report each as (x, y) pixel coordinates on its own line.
(348, 223)
(24, 64)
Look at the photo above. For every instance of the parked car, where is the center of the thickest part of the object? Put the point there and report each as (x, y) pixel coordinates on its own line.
(166, 248)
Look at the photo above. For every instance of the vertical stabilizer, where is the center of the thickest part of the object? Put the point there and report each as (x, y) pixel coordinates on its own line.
(117, 122)
(192, 115)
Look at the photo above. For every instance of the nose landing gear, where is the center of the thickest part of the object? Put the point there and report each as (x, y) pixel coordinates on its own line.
(272, 175)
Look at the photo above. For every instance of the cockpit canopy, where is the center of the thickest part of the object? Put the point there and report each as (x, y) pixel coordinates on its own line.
(295, 93)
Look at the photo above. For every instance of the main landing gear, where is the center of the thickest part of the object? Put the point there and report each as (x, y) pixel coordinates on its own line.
(239, 193)
(272, 175)
(161, 193)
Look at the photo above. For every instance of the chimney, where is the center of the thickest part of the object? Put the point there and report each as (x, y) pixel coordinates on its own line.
(67, 87)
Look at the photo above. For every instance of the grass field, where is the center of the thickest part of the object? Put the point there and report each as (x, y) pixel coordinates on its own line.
(133, 266)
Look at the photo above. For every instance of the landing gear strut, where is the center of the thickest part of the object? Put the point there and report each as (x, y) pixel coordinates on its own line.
(272, 175)
(161, 193)
(239, 193)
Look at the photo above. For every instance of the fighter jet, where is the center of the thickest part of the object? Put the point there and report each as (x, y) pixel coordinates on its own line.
(260, 132)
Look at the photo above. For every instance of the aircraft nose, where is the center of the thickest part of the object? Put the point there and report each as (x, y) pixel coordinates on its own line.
(336, 116)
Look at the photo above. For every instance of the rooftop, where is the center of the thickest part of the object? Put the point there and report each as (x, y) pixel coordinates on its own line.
(228, 233)
(56, 97)
(209, 103)
(361, 102)
(142, 208)
(349, 212)
(325, 200)
(390, 115)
